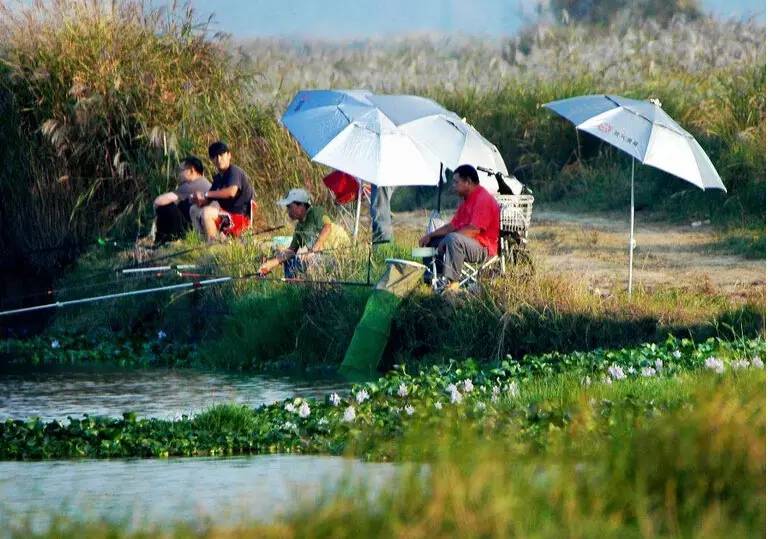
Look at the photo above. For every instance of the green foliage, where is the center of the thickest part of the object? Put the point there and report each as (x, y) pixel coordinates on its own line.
(533, 395)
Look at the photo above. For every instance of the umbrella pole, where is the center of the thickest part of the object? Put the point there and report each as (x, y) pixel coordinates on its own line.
(357, 210)
(631, 224)
(439, 188)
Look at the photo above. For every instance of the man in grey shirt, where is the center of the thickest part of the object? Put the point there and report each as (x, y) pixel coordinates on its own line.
(172, 209)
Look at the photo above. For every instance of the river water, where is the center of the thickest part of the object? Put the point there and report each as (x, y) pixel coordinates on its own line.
(162, 393)
(138, 493)
(149, 493)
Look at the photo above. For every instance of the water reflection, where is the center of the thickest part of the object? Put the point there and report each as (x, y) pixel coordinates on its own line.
(141, 493)
(162, 393)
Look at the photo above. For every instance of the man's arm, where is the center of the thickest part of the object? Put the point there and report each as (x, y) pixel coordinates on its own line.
(437, 233)
(165, 199)
(320, 241)
(224, 192)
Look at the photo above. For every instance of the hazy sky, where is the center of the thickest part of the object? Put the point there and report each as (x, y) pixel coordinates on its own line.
(364, 18)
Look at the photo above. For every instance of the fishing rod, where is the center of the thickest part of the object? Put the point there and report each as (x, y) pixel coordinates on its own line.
(59, 304)
(159, 269)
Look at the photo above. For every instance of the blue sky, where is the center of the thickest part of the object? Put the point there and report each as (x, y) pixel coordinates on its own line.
(345, 19)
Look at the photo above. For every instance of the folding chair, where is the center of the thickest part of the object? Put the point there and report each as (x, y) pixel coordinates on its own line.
(471, 272)
(345, 188)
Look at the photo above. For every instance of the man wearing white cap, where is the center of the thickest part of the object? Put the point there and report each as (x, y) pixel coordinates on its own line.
(314, 232)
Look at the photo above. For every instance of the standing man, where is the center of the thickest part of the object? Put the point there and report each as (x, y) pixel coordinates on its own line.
(226, 207)
(172, 208)
(381, 214)
(473, 233)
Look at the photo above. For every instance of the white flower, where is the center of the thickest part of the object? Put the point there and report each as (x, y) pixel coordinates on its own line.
(55, 343)
(361, 397)
(648, 372)
(495, 390)
(677, 354)
(402, 391)
(739, 364)
(409, 409)
(616, 372)
(349, 414)
(289, 407)
(631, 370)
(714, 364)
(757, 363)
(468, 386)
(513, 390)
(288, 426)
(455, 396)
(335, 399)
(304, 410)
(323, 421)
(438, 405)
(659, 365)
(607, 380)
(587, 381)
(480, 407)
(161, 335)
(451, 388)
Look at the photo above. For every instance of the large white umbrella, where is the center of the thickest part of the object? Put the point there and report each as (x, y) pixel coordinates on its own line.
(647, 133)
(346, 131)
(451, 138)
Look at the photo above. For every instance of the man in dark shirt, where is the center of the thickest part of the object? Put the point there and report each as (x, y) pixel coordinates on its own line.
(227, 206)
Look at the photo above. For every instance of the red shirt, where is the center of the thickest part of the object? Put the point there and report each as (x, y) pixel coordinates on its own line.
(480, 210)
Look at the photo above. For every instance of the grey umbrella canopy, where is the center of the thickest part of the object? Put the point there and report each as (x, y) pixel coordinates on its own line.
(648, 134)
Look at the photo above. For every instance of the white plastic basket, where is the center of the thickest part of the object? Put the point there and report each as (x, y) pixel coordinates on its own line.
(516, 211)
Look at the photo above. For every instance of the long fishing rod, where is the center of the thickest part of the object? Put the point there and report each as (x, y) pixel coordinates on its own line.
(59, 304)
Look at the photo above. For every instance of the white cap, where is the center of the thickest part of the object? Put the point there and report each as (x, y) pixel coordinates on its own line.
(295, 195)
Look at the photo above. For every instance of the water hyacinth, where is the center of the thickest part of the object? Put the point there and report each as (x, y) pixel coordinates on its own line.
(288, 426)
(349, 414)
(587, 381)
(161, 335)
(607, 380)
(480, 407)
(714, 364)
(334, 399)
(304, 410)
(402, 390)
(289, 407)
(659, 364)
(409, 410)
(647, 372)
(322, 421)
(362, 396)
(513, 390)
(677, 354)
(55, 344)
(757, 363)
(740, 364)
(438, 405)
(456, 396)
(616, 372)
(467, 385)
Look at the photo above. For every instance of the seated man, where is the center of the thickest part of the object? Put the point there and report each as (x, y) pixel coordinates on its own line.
(472, 234)
(314, 233)
(226, 207)
(172, 208)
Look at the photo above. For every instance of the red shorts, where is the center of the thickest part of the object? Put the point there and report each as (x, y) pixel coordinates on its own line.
(237, 223)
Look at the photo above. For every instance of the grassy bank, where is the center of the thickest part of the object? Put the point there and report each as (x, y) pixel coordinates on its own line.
(680, 452)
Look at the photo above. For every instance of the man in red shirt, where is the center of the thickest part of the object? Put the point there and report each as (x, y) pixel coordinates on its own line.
(473, 233)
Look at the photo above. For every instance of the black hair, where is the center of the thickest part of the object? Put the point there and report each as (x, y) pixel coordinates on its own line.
(192, 162)
(467, 172)
(217, 148)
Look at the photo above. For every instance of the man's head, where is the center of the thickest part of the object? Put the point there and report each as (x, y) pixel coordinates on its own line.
(190, 169)
(465, 180)
(220, 155)
(297, 202)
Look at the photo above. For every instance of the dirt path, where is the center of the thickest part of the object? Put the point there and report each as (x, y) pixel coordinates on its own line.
(595, 248)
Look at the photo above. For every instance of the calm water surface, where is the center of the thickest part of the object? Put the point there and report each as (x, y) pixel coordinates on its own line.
(141, 493)
(163, 393)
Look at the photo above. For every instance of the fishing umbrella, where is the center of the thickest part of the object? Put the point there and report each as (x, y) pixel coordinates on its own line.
(451, 138)
(345, 130)
(648, 134)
